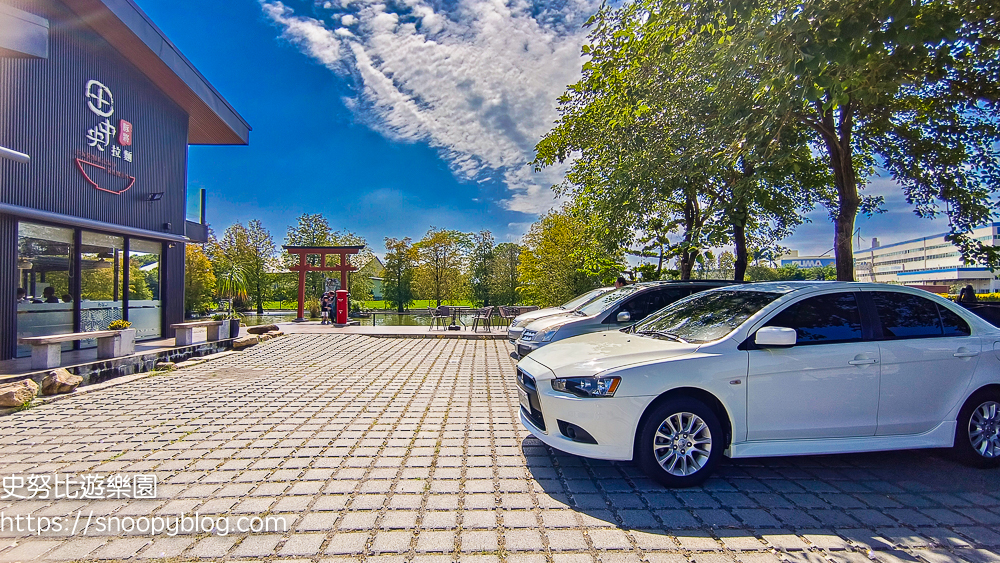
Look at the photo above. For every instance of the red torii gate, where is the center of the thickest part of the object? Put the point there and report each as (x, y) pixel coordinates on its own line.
(323, 251)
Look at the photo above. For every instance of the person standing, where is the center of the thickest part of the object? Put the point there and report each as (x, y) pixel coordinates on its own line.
(324, 308)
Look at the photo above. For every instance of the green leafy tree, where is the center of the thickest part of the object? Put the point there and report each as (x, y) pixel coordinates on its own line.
(727, 264)
(442, 259)
(259, 259)
(551, 268)
(651, 155)
(908, 85)
(505, 282)
(199, 279)
(400, 265)
(251, 249)
(482, 265)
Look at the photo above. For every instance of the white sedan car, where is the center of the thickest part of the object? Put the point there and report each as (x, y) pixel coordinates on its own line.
(772, 369)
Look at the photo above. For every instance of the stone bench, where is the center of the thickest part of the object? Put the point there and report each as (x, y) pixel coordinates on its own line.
(185, 331)
(46, 351)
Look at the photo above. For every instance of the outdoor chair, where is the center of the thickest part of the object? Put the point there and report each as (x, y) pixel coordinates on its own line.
(439, 316)
(507, 315)
(482, 317)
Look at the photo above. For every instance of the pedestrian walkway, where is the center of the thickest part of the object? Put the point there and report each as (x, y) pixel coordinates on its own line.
(351, 448)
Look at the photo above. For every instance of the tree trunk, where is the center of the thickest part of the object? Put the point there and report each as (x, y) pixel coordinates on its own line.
(740, 241)
(260, 299)
(399, 294)
(691, 213)
(837, 138)
(686, 264)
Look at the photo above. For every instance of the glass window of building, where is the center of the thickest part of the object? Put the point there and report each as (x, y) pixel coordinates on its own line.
(44, 265)
(101, 281)
(144, 305)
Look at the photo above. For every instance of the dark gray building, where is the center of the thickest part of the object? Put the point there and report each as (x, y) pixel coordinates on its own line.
(97, 109)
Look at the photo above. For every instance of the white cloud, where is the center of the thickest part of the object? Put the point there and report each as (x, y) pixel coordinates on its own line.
(478, 81)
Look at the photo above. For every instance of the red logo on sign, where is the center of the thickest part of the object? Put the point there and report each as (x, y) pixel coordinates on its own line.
(124, 133)
(86, 162)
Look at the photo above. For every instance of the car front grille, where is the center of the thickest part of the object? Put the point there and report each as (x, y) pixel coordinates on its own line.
(534, 410)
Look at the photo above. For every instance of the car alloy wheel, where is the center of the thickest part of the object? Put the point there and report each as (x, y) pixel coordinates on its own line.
(984, 429)
(680, 442)
(977, 438)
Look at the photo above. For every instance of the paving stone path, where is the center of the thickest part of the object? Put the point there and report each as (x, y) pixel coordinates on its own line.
(381, 449)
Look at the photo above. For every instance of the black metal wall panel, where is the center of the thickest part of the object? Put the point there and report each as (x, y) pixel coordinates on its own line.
(172, 286)
(44, 112)
(9, 284)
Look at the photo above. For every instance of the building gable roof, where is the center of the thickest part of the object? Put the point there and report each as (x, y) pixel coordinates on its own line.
(212, 121)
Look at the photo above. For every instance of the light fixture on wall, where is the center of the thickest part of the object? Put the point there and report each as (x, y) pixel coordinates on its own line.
(155, 196)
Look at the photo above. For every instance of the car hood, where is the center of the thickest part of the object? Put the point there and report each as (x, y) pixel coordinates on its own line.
(593, 353)
(553, 321)
(525, 318)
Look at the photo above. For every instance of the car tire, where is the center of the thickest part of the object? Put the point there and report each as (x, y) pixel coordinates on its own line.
(977, 436)
(680, 423)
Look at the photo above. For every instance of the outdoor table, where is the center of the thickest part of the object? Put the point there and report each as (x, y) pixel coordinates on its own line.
(454, 314)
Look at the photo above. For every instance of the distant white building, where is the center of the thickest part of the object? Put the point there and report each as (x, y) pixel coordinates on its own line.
(929, 260)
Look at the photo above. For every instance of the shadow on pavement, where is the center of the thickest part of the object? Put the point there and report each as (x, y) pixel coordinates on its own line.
(869, 490)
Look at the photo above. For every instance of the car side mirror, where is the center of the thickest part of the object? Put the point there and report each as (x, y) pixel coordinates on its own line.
(777, 336)
(624, 317)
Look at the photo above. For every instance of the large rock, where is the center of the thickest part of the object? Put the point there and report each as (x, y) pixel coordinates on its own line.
(244, 342)
(275, 333)
(59, 381)
(261, 329)
(18, 394)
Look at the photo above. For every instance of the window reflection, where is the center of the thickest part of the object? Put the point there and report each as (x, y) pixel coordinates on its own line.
(823, 319)
(44, 304)
(144, 305)
(101, 280)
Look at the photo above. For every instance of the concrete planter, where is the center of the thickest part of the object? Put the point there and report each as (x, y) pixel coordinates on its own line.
(121, 344)
(125, 343)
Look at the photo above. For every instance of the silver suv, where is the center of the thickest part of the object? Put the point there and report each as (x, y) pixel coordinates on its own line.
(611, 311)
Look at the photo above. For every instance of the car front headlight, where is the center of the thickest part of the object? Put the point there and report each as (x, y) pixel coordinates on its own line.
(547, 336)
(587, 386)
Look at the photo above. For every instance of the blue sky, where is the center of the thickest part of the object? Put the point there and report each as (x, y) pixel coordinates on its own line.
(390, 118)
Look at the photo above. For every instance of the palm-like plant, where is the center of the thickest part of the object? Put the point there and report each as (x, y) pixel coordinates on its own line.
(233, 285)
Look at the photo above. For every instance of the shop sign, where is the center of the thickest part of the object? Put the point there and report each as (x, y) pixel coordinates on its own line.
(107, 138)
(810, 262)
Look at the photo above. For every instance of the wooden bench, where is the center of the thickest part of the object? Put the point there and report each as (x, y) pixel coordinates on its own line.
(46, 351)
(185, 331)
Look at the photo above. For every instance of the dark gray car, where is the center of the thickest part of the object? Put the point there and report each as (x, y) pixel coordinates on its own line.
(612, 311)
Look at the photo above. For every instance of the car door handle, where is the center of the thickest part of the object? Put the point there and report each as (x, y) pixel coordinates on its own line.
(965, 354)
(863, 362)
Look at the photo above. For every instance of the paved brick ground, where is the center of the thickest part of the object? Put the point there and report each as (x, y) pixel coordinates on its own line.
(393, 450)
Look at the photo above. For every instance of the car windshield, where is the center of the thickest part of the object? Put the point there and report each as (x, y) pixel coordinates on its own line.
(706, 316)
(608, 300)
(572, 304)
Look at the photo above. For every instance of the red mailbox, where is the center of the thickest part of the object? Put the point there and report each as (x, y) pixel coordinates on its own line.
(341, 307)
